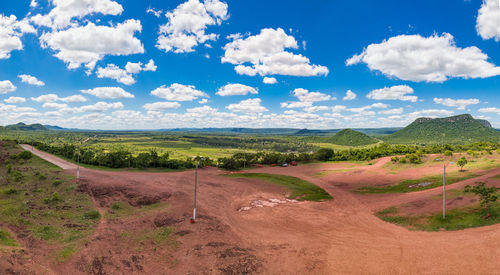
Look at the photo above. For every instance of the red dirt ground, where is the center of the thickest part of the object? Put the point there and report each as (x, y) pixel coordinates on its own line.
(334, 237)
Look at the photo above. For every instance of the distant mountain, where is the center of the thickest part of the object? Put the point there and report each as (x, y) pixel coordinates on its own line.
(54, 127)
(367, 131)
(24, 127)
(453, 130)
(350, 137)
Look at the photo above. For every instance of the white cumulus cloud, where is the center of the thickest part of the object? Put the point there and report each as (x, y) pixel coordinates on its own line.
(157, 106)
(431, 113)
(46, 98)
(236, 89)
(65, 10)
(178, 92)
(306, 99)
(396, 111)
(125, 76)
(100, 107)
(73, 98)
(6, 87)
(248, 106)
(488, 20)
(430, 59)
(269, 80)
(108, 92)
(399, 92)
(490, 110)
(11, 31)
(349, 95)
(14, 100)
(26, 78)
(187, 24)
(265, 54)
(460, 104)
(90, 43)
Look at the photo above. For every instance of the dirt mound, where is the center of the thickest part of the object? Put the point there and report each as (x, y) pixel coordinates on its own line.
(165, 219)
(105, 195)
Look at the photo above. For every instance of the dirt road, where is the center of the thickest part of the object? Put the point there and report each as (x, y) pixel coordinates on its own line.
(335, 237)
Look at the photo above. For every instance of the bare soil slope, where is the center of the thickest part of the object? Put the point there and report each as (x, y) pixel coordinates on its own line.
(339, 236)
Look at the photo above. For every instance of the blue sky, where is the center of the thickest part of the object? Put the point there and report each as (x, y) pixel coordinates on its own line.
(104, 64)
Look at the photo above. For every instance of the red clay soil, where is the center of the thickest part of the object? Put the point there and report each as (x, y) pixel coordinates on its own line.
(339, 236)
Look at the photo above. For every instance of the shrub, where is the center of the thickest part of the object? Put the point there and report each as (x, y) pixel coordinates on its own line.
(17, 176)
(9, 169)
(115, 206)
(402, 160)
(25, 155)
(42, 177)
(448, 153)
(92, 215)
(11, 191)
(394, 159)
(54, 198)
(324, 154)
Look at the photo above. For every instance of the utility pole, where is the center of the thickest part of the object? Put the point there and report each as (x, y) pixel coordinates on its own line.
(444, 191)
(193, 219)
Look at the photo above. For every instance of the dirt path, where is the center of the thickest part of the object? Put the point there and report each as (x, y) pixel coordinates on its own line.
(63, 164)
(334, 237)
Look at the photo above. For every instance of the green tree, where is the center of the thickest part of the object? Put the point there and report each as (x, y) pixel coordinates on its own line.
(324, 154)
(487, 195)
(462, 162)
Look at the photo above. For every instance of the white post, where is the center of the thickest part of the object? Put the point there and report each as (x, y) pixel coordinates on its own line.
(444, 191)
(195, 187)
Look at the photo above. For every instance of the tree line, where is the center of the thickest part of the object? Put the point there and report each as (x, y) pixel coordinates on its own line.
(121, 158)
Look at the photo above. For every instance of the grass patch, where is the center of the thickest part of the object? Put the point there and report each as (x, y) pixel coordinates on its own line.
(404, 186)
(122, 209)
(6, 238)
(51, 212)
(65, 253)
(456, 219)
(161, 237)
(334, 171)
(300, 189)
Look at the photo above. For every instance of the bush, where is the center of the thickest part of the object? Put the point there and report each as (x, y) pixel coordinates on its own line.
(11, 191)
(92, 215)
(414, 158)
(9, 169)
(402, 160)
(17, 176)
(25, 155)
(324, 154)
(394, 159)
(115, 206)
(54, 198)
(448, 153)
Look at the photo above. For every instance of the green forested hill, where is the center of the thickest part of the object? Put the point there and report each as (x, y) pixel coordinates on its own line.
(350, 137)
(453, 130)
(23, 127)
